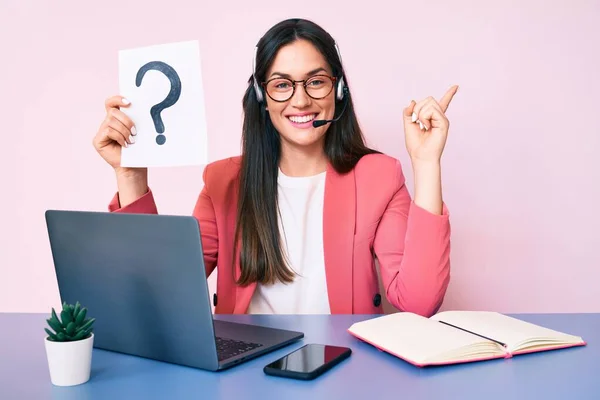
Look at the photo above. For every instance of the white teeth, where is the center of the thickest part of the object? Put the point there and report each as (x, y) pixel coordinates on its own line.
(302, 119)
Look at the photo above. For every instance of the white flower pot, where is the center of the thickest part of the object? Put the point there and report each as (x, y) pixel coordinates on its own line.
(69, 362)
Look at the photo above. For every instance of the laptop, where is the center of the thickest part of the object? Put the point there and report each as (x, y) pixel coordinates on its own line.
(142, 276)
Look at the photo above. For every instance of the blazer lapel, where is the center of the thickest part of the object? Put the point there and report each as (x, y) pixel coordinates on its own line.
(243, 298)
(339, 215)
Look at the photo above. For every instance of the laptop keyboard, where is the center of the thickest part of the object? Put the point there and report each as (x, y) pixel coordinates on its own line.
(229, 348)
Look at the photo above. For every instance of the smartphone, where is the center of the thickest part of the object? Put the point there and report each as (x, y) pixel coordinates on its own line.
(308, 362)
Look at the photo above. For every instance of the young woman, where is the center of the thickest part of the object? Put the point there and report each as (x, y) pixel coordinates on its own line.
(296, 222)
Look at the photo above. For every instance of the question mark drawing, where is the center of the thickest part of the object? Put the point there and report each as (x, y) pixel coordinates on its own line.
(171, 98)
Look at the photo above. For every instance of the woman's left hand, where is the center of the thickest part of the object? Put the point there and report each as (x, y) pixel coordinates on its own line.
(426, 127)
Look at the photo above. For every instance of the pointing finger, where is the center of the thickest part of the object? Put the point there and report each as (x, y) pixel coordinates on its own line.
(445, 101)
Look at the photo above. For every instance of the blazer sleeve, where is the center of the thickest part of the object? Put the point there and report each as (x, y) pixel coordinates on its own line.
(143, 205)
(412, 246)
(203, 212)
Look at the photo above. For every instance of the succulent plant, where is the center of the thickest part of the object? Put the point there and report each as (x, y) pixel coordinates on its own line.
(72, 325)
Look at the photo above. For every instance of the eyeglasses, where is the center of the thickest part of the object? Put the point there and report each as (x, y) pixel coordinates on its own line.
(282, 89)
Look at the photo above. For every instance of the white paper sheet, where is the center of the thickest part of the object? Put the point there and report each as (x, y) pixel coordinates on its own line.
(184, 139)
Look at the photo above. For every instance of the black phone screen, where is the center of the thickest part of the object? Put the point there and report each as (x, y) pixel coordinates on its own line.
(308, 360)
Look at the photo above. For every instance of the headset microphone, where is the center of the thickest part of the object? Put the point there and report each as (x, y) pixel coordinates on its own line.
(320, 122)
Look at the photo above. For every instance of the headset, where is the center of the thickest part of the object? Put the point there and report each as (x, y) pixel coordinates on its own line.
(340, 87)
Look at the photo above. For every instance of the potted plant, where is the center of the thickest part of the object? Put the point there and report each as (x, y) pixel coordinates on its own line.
(69, 345)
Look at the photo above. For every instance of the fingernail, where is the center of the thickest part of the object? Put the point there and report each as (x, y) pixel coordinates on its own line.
(125, 101)
(125, 143)
(132, 139)
(133, 131)
(414, 117)
(421, 125)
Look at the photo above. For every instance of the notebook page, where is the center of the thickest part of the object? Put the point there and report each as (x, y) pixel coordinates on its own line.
(413, 337)
(511, 331)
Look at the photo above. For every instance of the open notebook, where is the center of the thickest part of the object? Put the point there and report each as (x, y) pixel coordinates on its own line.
(458, 336)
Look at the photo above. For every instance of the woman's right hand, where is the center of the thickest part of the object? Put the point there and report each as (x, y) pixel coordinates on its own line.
(116, 131)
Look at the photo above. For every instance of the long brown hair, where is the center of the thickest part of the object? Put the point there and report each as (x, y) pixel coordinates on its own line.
(257, 227)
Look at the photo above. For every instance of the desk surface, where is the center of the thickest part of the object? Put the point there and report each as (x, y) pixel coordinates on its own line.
(368, 373)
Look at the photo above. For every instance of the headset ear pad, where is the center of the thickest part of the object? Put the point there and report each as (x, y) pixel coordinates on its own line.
(259, 92)
(339, 89)
(257, 88)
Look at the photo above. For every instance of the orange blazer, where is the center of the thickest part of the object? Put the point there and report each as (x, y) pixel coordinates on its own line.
(367, 213)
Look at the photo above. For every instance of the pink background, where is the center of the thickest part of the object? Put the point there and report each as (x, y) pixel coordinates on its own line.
(521, 174)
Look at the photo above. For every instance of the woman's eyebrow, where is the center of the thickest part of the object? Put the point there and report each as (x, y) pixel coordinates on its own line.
(312, 72)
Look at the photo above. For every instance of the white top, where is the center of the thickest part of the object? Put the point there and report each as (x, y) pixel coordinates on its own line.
(301, 227)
